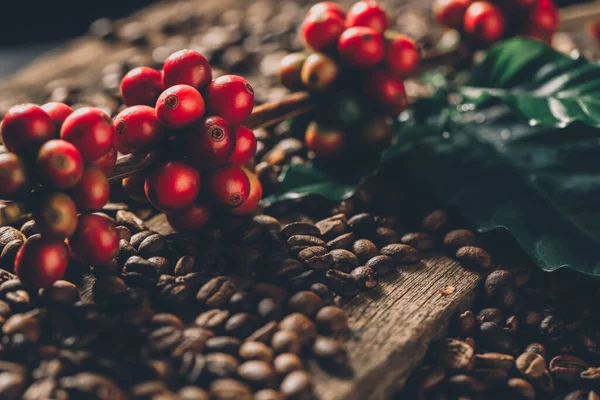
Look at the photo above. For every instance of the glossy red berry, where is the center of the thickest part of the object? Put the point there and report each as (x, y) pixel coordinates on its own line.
(179, 106)
(230, 97)
(134, 187)
(245, 146)
(401, 53)
(327, 6)
(593, 29)
(186, 67)
(387, 89)
(141, 86)
(228, 185)
(367, 13)
(96, 240)
(254, 198)
(57, 112)
(41, 262)
(326, 142)
(484, 22)
(361, 47)
(209, 142)
(189, 219)
(172, 186)
(91, 131)
(137, 129)
(59, 164)
(92, 191)
(106, 162)
(320, 31)
(14, 180)
(55, 215)
(25, 128)
(451, 12)
(542, 22)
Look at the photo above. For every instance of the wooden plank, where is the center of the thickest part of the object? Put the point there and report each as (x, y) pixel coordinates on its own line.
(391, 326)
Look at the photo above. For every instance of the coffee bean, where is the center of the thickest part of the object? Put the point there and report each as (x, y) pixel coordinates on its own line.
(419, 241)
(494, 361)
(165, 319)
(567, 368)
(342, 242)
(316, 257)
(343, 260)
(287, 341)
(582, 395)
(267, 221)
(28, 229)
(537, 348)
(553, 329)
(241, 325)
(223, 344)
(220, 366)
(331, 320)
(151, 246)
(330, 353)
(139, 237)
(521, 388)
(192, 393)
(161, 264)
(229, 389)
(12, 385)
(458, 356)
(474, 258)
(383, 265)
(297, 243)
(592, 374)
(90, 385)
(364, 250)
(268, 309)
(365, 277)
(258, 374)
(124, 233)
(130, 221)
(286, 363)
(267, 290)
(466, 384)
(531, 365)
(300, 324)
(297, 385)
(362, 224)
(212, 319)
(341, 283)
(256, 351)
(184, 265)
(490, 315)
(9, 252)
(323, 292)
(268, 394)
(496, 338)
(285, 267)
(305, 302)
(501, 286)
(435, 222)
(216, 292)
(386, 236)
(300, 229)
(61, 292)
(243, 302)
(454, 240)
(467, 322)
(333, 226)
(163, 340)
(141, 266)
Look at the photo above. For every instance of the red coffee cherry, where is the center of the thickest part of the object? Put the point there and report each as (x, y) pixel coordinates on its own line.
(41, 262)
(92, 191)
(55, 216)
(245, 146)
(91, 131)
(137, 128)
(57, 112)
(14, 180)
(361, 47)
(96, 240)
(230, 97)
(367, 13)
(542, 22)
(209, 142)
(321, 31)
(141, 86)
(189, 219)
(134, 187)
(327, 6)
(59, 164)
(172, 186)
(387, 89)
(106, 162)
(254, 198)
(451, 12)
(179, 106)
(228, 185)
(25, 128)
(401, 53)
(484, 22)
(186, 67)
(326, 142)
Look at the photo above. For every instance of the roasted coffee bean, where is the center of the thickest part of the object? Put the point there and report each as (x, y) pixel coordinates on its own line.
(12, 385)
(285, 267)
(161, 264)
(9, 252)
(241, 325)
(494, 361)
(220, 366)
(531, 365)
(124, 233)
(148, 389)
(553, 329)
(229, 389)
(474, 258)
(582, 395)
(537, 348)
(458, 356)
(330, 353)
(259, 374)
(90, 385)
(28, 229)
(435, 222)
(456, 239)
(267, 221)
(212, 319)
(342, 242)
(164, 319)
(163, 340)
(383, 265)
(333, 226)
(300, 324)
(223, 344)
(496, 337)
(591, 374)
(300, 229)
(521, 388)
(151, 246)
(343, 260)
(419, 241)
(365, 277)
(126, 250)
(305, 302)
(287, 341)
(341, 283)
(139, 237)
(268, 394)
(192, 393)
(567, 368)
(216, 292)
(323, 292)
(297, 385)
(331, 320)
(364, 250)
(386, 236)
(316, 257)
(268, 309)
(297, 243)
(501, 286)
(23, 324)
(264, 334)
(466, 384)
(130, 221)
(267, 290)
(243, 302)
(362, 224)
(490, 315)
(184, 265)
(286, 363)
(467, 322)
(61, 292)
(141, 266)
(256, 351)
(5, 310)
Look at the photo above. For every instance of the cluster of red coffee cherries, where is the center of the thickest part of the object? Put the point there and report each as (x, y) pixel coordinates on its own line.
(353, 49)
(195, 121)
(485, 22)
(56, 164)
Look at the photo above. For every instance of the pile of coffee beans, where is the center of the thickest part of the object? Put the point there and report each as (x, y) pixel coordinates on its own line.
(486, 22)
